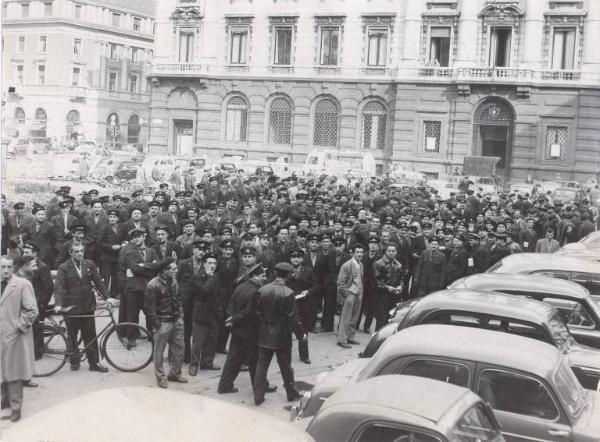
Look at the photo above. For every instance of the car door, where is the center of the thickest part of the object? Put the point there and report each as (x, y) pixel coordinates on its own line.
(382, 431)
(524, 405)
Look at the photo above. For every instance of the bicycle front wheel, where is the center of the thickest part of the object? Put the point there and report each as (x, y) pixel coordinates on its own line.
(121, 354)
(55, 353)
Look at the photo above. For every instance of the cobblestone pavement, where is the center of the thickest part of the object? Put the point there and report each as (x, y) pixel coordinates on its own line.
(67, 384)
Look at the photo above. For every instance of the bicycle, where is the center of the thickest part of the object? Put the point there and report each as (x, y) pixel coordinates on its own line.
(113, 343)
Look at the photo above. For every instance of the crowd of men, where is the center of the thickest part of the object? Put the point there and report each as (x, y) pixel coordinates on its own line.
(257, 258)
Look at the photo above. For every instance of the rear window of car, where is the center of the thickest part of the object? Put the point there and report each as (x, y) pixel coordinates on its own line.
(445, 371)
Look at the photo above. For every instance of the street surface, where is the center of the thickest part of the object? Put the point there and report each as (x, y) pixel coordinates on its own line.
(67, 384)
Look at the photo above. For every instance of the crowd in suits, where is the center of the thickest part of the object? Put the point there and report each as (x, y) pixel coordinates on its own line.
(355, 250)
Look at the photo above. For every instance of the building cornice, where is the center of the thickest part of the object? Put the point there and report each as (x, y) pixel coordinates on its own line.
(77, 24)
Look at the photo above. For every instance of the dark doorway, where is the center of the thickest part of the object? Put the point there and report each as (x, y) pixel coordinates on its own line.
(493, 132)
(493, 143)
(183, 141)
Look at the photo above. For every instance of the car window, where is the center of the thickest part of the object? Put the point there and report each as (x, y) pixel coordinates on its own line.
(572, 312)
(569, 390)
(475, 426)
(451, 318)
(590, 281)
(384, 433)
(516, 393)
(554, 274)
(445, 371)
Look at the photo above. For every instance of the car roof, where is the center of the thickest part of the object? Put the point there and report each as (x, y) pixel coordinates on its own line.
(468, 344)
(414, 396)
(530, 262)
(525, 282)
(152, 415)
(485, 302)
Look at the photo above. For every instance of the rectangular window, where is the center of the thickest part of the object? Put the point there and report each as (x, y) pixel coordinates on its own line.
(137, 24)
(239, 46)
(330, 40)
(24, 10)
(500, 46)
(563, 48)
(116, 19)
(47, 9)
(43, 41)
(77, 46)
(556, 142)
(41, 74)
(186, 46)
(134, 55)
(78, 9)
(21, 44)
(431, 136)
(439, 46)
(133, 83)
(283, 45)
(20, 70)
(112, 81)
(378, 47)
(113, 51)
(76, 73)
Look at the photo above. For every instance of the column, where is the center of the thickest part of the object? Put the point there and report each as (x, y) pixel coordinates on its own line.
(534, 34)
(412, 32)
(591, 36)
(124, 65)
(468, 34)
(102, 56)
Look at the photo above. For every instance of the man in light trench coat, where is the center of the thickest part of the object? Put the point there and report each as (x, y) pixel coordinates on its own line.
(18, 310)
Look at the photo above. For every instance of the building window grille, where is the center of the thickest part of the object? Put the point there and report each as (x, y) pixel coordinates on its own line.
(236, 120)
(280, 121)
(283, 45)
(431, 137)
(556, 142)
(563, 48)
(20, 115)
(378, 44)
(330, 41)
(374, 121)
(325, 132)
(40, 115)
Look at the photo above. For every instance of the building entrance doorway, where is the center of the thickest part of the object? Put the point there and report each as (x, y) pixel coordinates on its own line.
(183, 142)
(493, 133)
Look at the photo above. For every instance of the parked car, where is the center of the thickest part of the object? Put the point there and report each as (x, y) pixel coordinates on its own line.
(567, 194)
(499, 312)
(521, 188)
(578, 310)
(528, 383)
(486, 184)
(581, 271)
(581, 253)
(150, 415)
(591, 241)
(404, 408)
(39, 145)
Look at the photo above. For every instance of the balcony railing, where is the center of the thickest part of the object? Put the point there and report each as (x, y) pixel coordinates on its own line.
(176, 68)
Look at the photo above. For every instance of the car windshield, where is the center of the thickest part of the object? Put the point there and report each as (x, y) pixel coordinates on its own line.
(569, 390)
(560, 333)
(475, 426)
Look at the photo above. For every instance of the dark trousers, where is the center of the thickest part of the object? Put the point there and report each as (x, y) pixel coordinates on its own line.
(284, 360)
(306, 312)
(222, 335)
(384, 303)
(135, 304)
(188, 324)
(204, 344)
(329, 304)
(38, 337)
(11, 393)
(241, 351)
(367, 309)
(87, 326)
(110, 275)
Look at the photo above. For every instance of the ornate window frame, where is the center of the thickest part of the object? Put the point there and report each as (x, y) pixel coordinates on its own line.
(501, 14)
(282, 22)
(439, 19)
(557, 20)
(374, 22)
(189, 18)
(549, 121)
(326, 21)
(238, 23)
(422, 119)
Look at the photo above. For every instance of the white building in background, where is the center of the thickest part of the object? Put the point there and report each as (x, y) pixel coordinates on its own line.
(422, 83)
(77, 69)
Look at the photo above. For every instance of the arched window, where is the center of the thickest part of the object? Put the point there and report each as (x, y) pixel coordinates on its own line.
(20, 115)
(113, 129)
(325, 123)
(374, 121)
(133, 130)
(40, 115)
(280, 121)
(73, 123)
(236, 119)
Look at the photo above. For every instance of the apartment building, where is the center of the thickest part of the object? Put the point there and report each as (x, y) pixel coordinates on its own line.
(77, 69)
(418, 83)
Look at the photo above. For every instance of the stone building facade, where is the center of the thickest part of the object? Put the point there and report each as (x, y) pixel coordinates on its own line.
(77, 69)
(419, 83)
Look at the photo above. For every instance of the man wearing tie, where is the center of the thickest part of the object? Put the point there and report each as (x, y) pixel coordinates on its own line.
(349, 295)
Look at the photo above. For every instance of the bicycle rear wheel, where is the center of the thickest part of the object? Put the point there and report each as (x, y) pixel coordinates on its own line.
(55, 353)
(123, 356)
